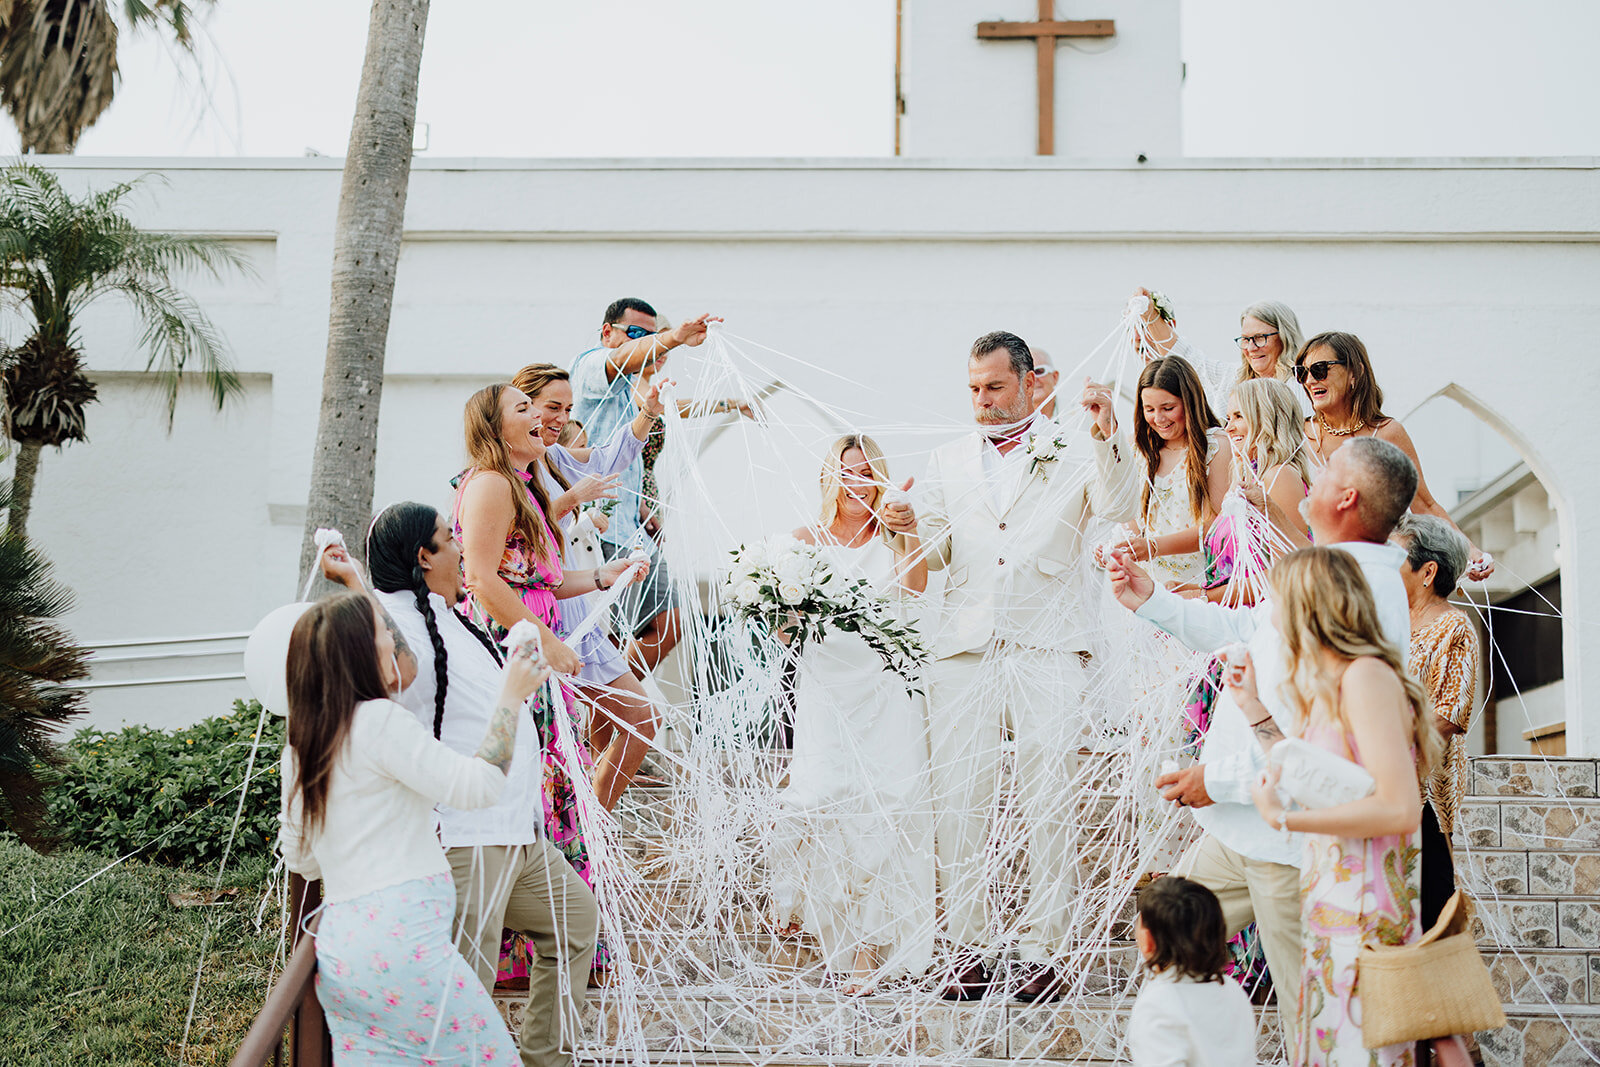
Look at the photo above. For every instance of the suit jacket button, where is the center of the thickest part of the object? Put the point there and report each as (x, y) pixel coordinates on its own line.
(1002, 526)
(1002, 563)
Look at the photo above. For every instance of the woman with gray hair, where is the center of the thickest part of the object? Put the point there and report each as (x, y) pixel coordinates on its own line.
(1444, 658)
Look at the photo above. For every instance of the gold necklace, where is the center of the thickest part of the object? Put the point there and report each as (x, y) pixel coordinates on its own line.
(1357, 428)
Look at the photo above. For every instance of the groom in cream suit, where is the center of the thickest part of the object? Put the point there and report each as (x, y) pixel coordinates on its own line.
(1002, 516)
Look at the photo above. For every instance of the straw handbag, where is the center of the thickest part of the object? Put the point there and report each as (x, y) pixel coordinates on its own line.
(1435, 987)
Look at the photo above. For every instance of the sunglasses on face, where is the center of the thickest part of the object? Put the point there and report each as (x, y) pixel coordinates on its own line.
(1317, 370)
(633, 332)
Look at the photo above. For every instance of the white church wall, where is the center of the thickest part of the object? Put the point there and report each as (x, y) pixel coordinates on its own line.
(877, 273)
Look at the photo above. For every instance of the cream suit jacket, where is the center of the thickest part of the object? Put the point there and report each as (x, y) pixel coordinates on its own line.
(1009, 568)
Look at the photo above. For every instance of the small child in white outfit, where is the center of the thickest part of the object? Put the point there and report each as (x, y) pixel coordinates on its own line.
(1187, 1014)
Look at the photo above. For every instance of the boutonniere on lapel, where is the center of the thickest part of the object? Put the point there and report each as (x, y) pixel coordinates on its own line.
(1044, 450)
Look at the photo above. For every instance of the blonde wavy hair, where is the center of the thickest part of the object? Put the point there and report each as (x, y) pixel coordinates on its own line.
(833, 473)
(1325, 603)
(1276, 429)
(486, 450)
(534, 379)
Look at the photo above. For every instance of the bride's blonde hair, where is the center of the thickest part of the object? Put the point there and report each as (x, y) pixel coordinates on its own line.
(833, 473)
(1324, 602)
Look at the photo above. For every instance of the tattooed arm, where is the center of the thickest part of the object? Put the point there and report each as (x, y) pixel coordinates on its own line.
(522, 678)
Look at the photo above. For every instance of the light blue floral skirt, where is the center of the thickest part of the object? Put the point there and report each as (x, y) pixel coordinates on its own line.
(394, 988)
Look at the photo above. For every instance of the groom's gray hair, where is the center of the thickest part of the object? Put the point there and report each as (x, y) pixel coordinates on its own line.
(1015, 347)
(1386, 481)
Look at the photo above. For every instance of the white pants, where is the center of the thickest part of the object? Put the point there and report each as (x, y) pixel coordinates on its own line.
(973, 699)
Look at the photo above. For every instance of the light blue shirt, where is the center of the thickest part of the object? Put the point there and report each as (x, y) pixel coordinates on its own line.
(605, 407)
(1232, 756)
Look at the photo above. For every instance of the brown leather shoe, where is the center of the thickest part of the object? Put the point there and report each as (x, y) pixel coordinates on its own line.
(1043, 986)
(969, 980)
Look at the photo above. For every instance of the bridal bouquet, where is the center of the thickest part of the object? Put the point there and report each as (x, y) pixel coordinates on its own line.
(791, 588)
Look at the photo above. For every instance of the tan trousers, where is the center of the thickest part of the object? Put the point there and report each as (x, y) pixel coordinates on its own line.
(533, 890)
(972, 703)
(1266, 892)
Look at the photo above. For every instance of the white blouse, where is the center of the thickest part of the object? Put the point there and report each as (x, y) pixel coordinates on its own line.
(378, 826)
(1178, 1022)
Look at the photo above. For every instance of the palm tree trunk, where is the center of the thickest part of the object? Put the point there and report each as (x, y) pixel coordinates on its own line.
(22, 479)
(366, 249)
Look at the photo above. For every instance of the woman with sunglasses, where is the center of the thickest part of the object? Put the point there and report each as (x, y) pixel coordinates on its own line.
(1346, 402)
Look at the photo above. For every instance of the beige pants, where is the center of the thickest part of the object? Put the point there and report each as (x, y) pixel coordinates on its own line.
(1266, 892)
(973, 702)
(533, 890)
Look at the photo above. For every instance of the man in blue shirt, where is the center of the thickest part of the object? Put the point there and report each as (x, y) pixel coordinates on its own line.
(603, 381)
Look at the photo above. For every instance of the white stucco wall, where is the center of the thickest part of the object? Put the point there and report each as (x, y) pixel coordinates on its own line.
(1470, 273)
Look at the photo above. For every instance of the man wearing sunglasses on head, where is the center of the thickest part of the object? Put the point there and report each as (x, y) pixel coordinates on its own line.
(603, 381)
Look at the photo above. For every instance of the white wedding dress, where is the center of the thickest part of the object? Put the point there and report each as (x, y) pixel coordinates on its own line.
(852, 857)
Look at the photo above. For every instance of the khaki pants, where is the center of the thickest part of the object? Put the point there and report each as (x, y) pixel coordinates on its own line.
(533, 890)
(973, 701)
(1266, 892)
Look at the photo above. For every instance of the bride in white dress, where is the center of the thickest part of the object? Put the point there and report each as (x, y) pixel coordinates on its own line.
(852, 858)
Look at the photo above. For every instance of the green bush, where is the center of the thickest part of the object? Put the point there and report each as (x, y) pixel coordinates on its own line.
(122, 791)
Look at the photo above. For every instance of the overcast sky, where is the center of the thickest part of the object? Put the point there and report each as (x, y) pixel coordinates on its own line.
(764, 78)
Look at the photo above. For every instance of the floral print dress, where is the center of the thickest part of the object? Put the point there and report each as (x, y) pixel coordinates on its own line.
(1353, 891)
(535, 582)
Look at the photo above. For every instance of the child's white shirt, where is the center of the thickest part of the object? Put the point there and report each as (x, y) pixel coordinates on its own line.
(1179, 1022)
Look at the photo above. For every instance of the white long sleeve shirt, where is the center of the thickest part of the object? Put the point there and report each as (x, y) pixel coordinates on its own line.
(473, 680)
(1232, 756)
(1178, 1022)
(377, 828)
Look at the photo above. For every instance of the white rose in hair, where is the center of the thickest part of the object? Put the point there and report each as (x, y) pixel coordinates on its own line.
(791, 592)
(747, 593)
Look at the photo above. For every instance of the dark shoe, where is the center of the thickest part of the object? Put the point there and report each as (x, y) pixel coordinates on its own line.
(1043, 986)
(969, 980)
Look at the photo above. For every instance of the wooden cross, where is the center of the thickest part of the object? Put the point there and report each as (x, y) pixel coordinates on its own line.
(1045, 32)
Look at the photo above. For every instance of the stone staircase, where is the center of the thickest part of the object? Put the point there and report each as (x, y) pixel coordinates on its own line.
(1528, 848)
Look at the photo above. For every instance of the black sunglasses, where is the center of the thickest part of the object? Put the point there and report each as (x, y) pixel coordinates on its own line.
(1317, 370)
(633, 332)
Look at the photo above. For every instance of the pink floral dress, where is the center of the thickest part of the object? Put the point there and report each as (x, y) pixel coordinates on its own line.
(535, 582)
(1353, 891)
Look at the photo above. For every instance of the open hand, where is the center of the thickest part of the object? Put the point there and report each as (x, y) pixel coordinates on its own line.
(692, 331)
(592, 487)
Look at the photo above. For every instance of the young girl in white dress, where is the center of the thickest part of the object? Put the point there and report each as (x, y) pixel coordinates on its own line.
(852, 860)
(1186, 465)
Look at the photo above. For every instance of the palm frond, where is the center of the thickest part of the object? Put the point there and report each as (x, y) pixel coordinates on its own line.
(177, 332)
(58, 69)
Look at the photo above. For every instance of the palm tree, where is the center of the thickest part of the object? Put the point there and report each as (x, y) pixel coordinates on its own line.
(38, 660)
(57, 255)
(58, 61)
(366, 250)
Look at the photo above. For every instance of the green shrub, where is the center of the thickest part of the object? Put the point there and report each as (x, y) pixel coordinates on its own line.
(121, 791)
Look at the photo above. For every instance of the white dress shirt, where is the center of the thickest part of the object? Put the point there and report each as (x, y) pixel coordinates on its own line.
(1178, 1022)
(377, 828)
(1232, 755)
(470, 697)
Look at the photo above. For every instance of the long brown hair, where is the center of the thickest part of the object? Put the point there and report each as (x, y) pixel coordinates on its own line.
(333, 666)
(1174, 375)
(1366, 399)
(486, 449)
(534, 379)
(1326, 603)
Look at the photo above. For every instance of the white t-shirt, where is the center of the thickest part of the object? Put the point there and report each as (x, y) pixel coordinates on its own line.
(1178, 1022)
(377, 830)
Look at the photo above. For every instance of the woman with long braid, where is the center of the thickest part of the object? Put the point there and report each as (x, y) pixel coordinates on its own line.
(506, 871)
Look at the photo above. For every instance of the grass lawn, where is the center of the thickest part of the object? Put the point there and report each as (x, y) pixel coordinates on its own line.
(104, 976)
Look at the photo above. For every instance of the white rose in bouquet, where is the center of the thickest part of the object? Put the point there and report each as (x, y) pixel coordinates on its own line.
(792, 567)
(791, 592)
(747, 593)
(754, 556)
